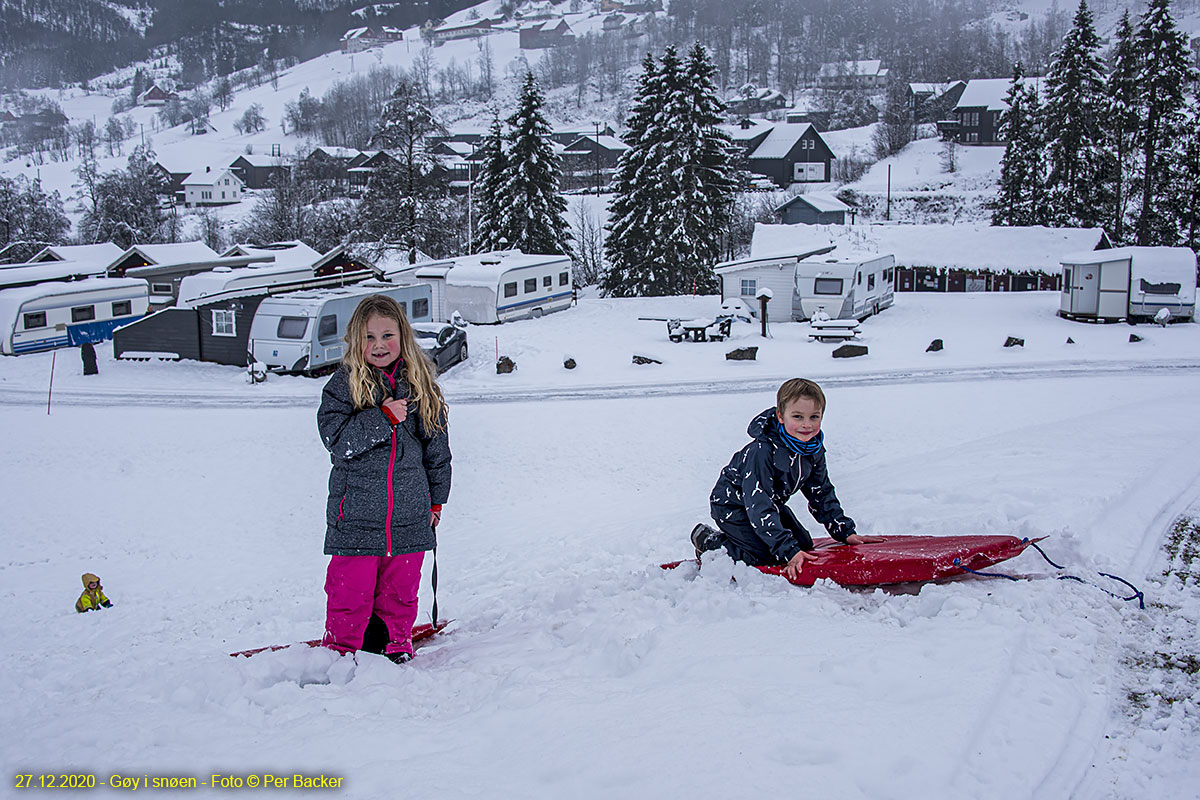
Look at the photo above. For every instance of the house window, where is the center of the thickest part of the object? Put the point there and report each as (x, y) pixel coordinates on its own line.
(160, 288)
(749, 287)
(510, 289)
(36, 319)
(83, 313)
(222, 195)
(122, 308)
(827, 286)
(420, 307)
(530, 285)
(971, 119)
(563, 279)
(292, 327)
(327, 328)
(871, 281)
(973, 137)
(224, 322)
(547, 281)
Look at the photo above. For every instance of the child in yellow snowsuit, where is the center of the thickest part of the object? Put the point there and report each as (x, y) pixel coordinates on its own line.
(93, 598)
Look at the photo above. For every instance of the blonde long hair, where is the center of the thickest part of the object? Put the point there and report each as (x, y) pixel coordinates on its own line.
(366, 385)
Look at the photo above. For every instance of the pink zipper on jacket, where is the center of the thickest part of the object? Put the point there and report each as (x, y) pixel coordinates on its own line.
(391, 466)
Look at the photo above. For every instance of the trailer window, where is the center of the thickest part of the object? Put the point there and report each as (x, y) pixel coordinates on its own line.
(859, 277)
(827, 286)
(547, 281)
(83, 313)
(871, 281)
(224, 322)
(327, 329)
(292, 327)
(530, 285)
(510, 289)
(36, 319)
(563, 279)
(160, 288)
(420, 307)
(122, 308)
(749, 287)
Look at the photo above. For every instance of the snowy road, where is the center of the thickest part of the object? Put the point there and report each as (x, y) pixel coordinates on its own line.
(576, 668)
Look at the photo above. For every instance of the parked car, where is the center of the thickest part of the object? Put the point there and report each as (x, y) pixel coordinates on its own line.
(445, 344)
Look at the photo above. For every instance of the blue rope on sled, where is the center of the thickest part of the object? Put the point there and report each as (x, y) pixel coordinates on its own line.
(1137, 593)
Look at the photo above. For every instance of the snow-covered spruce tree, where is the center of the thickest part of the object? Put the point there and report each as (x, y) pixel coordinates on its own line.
(1165, 73)
(1080, 161)
(675, 185)
(400, 205)
(1123, 119)
(123, 205)
(536, 214)
(1186, 173)
(628, 242)
(487, 193)
(1022, 196)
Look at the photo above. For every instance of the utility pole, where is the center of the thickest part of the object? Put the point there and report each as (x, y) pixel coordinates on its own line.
(596, 123)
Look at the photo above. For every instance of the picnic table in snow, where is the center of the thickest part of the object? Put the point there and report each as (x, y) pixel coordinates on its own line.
(824, 329)
(702, 329)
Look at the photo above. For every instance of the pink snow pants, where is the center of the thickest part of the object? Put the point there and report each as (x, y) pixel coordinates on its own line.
(357, 585)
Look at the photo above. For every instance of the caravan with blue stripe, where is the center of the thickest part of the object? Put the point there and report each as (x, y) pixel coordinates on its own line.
(56, 314)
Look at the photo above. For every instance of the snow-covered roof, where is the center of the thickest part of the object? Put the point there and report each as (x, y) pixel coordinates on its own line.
(261, 160)
(870, 66)
(47, 271)
(965, 246)
(176, 253)
(738, 133)
(102, 253)
(294, 253)
(824, 203)
(355, 33)
(11, 300)
(205, 284)
(780, 140)
(607, 142)
(337, 152)
(208, 176)
(989, 93)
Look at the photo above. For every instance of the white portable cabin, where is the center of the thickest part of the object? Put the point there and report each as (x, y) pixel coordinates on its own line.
(844, 285)
(498, 286)
(1132, 283)
(306, 331)
(66, 314)
(747, 277)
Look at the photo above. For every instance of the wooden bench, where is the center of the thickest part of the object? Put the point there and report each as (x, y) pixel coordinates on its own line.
(833, 330)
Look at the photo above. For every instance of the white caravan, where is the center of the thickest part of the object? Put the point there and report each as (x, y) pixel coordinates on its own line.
(1131, 283)
(305, 331)
(67, 314)
(843, 285)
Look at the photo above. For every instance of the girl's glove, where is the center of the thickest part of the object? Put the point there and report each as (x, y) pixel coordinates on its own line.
(435, 516)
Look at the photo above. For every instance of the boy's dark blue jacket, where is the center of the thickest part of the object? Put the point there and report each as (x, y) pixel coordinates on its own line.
(748, 500)
(364, 446)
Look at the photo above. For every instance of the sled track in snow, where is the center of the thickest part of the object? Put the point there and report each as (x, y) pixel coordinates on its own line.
(253, 398)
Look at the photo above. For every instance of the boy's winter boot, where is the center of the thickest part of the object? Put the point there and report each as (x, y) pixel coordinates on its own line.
(704, 539)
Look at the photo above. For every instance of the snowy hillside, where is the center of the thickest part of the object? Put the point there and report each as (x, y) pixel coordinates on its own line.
(577, 668)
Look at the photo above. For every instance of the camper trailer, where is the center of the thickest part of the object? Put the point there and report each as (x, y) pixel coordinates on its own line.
(57, 314)
(843, 285)
(305, 331)
(1130, 283)
(498, 286)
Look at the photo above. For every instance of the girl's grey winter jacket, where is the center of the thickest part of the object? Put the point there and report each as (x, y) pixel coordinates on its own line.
(748, 501)
(382, 473)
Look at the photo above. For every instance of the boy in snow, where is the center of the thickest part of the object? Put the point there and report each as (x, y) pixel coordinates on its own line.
(93, 598)
(749, 500)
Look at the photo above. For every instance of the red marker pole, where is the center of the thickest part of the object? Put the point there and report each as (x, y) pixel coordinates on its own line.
(50, 391)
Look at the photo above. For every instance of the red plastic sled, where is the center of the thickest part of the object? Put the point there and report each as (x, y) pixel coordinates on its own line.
(901, 559)
(421, 635)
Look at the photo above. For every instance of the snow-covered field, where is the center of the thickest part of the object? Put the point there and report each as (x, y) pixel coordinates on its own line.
(576, 668)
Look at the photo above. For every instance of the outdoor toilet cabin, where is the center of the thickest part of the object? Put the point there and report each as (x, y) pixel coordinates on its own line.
(1130, 283)
(496, 287)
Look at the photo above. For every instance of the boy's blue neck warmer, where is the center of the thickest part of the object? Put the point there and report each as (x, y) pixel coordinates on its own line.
(809, 448)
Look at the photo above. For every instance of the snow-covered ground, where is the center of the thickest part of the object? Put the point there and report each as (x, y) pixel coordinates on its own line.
(576, 668)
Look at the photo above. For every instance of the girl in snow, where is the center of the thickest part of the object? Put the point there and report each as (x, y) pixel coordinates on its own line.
(384, 421)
